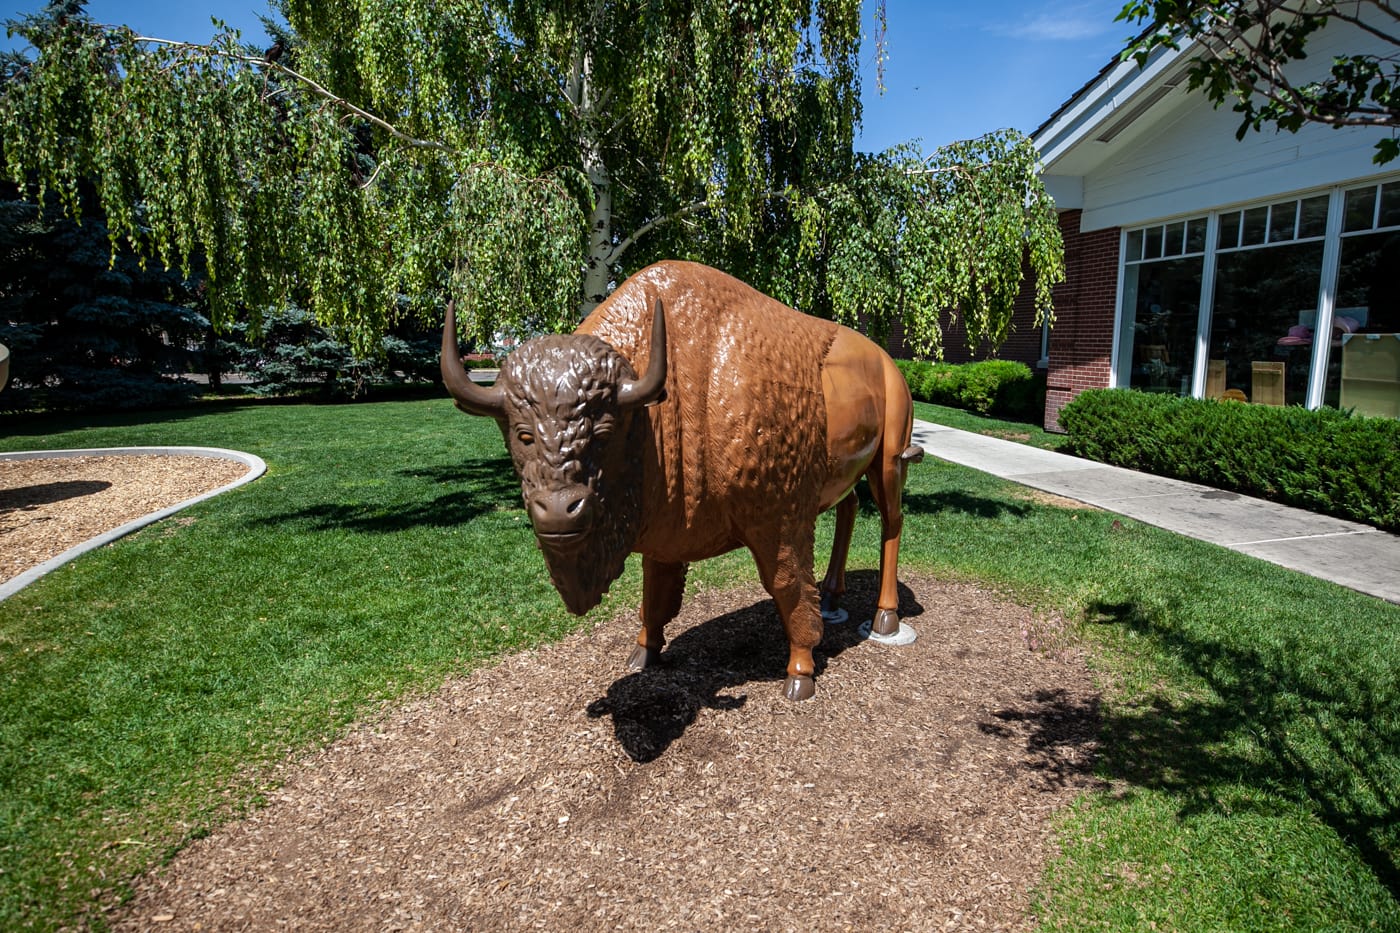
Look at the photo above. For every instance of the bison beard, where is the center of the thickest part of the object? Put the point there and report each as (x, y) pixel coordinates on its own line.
(583, 570)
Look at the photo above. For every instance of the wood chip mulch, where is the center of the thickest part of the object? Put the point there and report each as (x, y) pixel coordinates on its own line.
(553, 791)
(48, 505)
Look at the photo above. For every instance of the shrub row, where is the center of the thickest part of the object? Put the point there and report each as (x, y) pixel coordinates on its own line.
(1324, 460)
(999, 386)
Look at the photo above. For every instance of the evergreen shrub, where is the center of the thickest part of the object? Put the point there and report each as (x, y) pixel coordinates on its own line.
(999, 386)
(1324, 460)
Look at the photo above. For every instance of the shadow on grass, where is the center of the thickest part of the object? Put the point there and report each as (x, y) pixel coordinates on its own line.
(1323, 735)
(946, 500)
(952, 500)
(651, 709)
(442, 496)
(40, 424)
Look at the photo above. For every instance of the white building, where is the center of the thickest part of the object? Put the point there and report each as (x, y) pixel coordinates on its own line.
(1265, 268)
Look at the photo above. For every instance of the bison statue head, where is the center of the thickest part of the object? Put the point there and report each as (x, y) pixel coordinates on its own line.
(567, 405)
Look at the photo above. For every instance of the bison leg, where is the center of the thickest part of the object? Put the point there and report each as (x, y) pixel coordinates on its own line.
(887, 483)
(786, 571)
(834, 585)
(662, 586)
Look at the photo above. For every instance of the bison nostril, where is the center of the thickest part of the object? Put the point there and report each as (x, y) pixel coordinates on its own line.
(561, 512)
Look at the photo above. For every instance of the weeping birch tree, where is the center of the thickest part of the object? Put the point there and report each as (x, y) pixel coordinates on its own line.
(521, 156)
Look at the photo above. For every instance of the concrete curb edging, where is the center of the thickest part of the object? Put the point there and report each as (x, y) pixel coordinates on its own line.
(256, 468)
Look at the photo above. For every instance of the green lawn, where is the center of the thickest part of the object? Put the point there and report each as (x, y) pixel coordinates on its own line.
(1251, 722)
(1022, 432)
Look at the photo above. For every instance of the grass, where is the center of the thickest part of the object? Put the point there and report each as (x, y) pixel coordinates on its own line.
(1022, 432)
(1251, 720)
(146, 689)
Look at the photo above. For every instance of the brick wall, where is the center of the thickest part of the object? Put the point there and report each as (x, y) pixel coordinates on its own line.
(1081, 342)
(1022, 346)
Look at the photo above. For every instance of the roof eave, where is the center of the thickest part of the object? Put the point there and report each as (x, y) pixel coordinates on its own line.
(1081, 132)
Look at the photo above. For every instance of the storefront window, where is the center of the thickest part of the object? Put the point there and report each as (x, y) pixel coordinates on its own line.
(1161, 305)
(1264, 302)
(1363, 371)
(1262, 323)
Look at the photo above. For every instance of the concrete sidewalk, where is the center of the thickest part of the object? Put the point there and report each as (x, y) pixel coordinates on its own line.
(1351, 554)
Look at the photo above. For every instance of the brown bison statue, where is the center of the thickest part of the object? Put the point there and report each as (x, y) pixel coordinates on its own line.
(749, 419)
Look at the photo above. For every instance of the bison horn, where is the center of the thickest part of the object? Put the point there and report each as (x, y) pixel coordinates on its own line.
(471, 398)
(651, 388)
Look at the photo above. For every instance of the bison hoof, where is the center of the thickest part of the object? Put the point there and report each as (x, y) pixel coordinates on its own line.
(643, 658)
(800, 687)
(832, 613)
(903, 634)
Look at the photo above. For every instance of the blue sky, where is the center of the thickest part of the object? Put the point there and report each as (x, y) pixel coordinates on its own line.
(954, 70)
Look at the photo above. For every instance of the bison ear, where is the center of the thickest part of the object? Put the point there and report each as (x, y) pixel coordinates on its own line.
(651, 388)
(471, 398)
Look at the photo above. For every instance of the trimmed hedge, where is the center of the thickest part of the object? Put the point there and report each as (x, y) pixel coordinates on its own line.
(999, 386)
(1324, 460)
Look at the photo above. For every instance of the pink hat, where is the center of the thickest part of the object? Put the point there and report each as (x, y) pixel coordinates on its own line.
(1299, 335)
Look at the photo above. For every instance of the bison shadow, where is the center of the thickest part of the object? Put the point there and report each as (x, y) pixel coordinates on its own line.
(958, 501)
(650, 709)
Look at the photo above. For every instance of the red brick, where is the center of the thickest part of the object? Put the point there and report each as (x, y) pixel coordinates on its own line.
(1082, 339)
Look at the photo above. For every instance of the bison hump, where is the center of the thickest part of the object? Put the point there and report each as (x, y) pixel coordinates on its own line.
(744, 424)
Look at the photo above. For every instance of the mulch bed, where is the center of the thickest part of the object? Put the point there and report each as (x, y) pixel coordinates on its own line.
(51, 504)
(553, 791)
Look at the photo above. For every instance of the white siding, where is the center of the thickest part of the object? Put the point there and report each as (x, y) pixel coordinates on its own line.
(1190, 162)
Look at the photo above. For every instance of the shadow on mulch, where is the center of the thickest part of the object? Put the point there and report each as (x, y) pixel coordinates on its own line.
(27, 497)
(650, 709)
(547, 791)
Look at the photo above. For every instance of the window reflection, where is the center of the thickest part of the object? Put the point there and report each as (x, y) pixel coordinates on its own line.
(1262, 323)
(1230, 230)
(1161, 302)
(1368, 305)
(1256, 224)
(1264, 302)
(1361, 208)
(1282, 220)
(1314, 220)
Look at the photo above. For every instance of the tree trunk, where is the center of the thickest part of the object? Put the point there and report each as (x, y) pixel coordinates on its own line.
(597, 275)
(213, 361)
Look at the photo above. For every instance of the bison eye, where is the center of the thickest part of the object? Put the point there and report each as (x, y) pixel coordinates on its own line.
(525, 437)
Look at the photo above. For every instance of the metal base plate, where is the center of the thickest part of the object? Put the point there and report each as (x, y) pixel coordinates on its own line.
(835, 616)
(905, 636)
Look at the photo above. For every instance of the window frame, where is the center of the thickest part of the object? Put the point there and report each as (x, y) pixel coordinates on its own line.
(1233, 219)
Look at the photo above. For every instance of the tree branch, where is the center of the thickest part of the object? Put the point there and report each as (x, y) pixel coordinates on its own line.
(316, 89)
(1356, 20)
(692, 208)
(1269, 83)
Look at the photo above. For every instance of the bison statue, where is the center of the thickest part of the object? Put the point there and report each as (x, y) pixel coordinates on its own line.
(747, 421)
